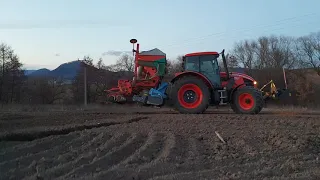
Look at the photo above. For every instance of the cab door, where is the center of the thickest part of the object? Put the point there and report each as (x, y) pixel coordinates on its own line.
(209, 68)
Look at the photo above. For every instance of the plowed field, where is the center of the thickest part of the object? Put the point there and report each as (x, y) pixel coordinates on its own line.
(152, 143)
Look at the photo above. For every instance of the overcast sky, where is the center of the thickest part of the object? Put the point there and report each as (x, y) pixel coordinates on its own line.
(47, 33)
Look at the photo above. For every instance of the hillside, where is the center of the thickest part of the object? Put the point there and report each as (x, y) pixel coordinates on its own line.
(28, 72)
(66, 71)
(40, 72)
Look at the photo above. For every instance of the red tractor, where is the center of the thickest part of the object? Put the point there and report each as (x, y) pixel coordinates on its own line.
(199, 85)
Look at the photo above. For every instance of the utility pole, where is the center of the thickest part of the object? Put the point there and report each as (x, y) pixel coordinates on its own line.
(284, 77)
(85, 84)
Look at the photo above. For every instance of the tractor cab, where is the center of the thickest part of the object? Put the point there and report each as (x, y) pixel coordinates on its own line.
(204, 63)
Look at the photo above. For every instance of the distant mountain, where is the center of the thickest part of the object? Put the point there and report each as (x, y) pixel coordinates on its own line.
(40, 72)
(28, 72)
(67, 71)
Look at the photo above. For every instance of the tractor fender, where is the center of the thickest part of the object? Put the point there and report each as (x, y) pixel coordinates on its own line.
(234, 90)
(192, 73)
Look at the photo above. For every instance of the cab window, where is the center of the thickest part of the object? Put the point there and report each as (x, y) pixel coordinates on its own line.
(192, 63)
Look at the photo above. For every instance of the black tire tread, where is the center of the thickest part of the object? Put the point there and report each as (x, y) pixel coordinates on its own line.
(206, 91)
(257, 96)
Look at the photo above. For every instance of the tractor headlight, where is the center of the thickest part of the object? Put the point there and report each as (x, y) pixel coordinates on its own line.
(255, 82)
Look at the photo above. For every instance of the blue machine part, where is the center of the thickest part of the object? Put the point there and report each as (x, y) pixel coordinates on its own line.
(160, 91)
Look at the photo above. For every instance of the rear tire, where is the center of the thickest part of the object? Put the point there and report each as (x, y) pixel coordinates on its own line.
(247, 100)
(190, 95)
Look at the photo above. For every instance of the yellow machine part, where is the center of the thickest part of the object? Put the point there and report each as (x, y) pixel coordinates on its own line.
(273, 89)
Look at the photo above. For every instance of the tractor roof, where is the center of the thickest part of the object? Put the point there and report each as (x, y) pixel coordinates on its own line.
(155, 52)
(202, 53)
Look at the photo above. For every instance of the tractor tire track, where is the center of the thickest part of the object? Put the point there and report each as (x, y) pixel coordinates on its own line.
(85, 156)
(71, 155)
(59, 130)
(249, 170)
(28, 165)
(288, 170)
(308, 173)
(194, 151)
(173, 155)
(110, 158)
(152, 150)
(163, 155)
(147, 153)
(169, 144)
(179, 151)
(223, 167)
(35, 147)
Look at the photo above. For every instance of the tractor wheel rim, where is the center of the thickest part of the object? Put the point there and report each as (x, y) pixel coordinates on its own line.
(190, 96)
(246, 101)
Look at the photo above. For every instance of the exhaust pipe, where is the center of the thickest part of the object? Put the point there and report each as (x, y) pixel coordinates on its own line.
(225, 64)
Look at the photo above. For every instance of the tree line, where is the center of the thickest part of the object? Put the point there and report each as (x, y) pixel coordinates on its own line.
(263, 58)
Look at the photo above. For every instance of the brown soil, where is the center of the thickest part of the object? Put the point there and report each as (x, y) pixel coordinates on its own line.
(149, 143)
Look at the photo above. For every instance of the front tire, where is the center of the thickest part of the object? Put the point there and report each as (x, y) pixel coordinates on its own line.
(190, 95)
(247, 100)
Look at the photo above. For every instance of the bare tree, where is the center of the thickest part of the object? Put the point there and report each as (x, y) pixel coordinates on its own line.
(4, 53)
(170, 67)
(88, 60)
(15, 77)
(179, 59)
(11, 74)
(281, 52)
(266, 52)
(232, 61)
(56, 90)
(309, 51)
(46, 90)
(100, 64)
(174, 66)
(245, 52)
(124, 63)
